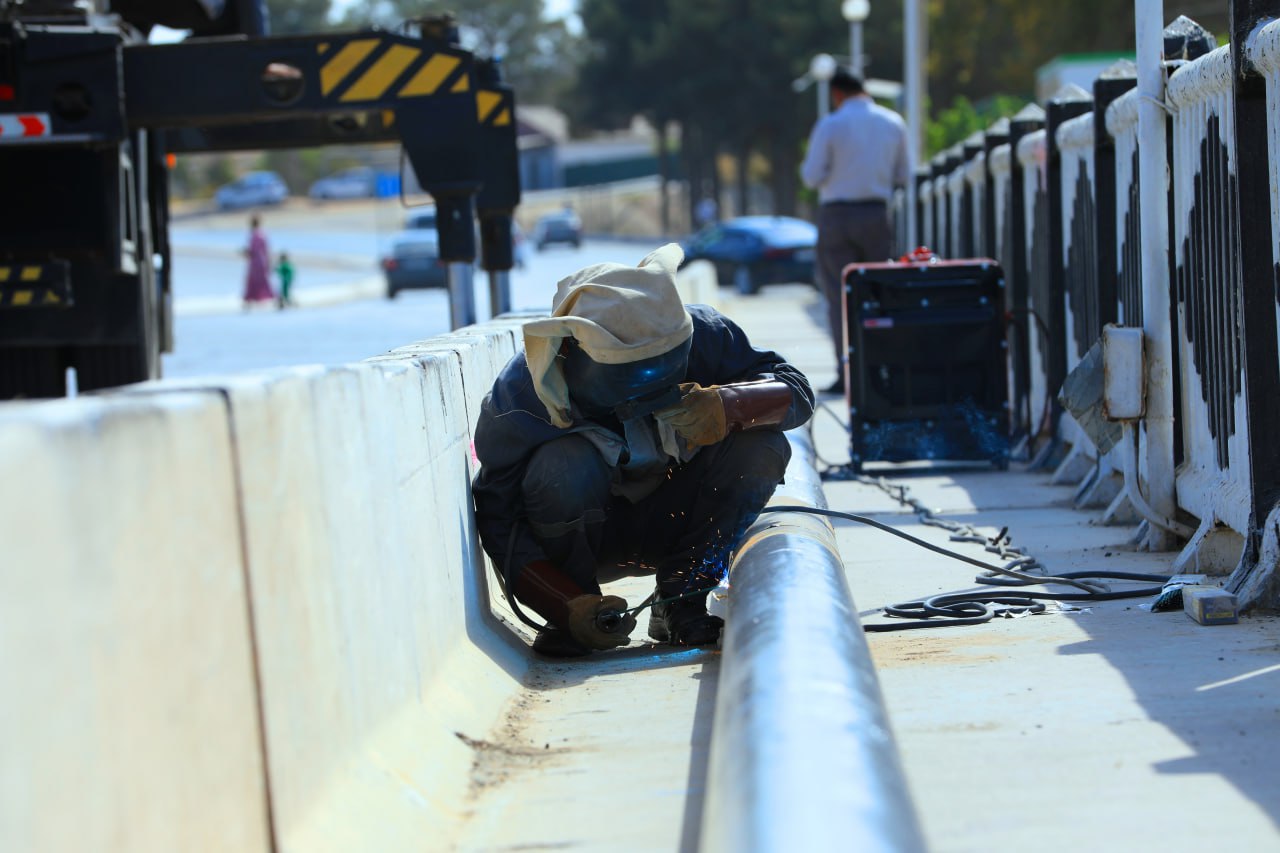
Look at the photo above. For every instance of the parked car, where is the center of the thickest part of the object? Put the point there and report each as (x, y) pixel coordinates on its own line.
(563, 226)
(752, 251)
(357, 182)
(414, 262)
(255, 189)
(421, 219)
(424, 219)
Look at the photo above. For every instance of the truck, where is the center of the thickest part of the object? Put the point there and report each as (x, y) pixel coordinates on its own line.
(90, 112)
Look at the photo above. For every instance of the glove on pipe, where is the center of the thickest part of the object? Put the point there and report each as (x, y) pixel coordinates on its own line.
(706, 415)
(555, 597)
(583, 611)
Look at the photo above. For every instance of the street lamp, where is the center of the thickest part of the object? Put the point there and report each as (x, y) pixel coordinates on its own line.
(855, 12)
(822, 68)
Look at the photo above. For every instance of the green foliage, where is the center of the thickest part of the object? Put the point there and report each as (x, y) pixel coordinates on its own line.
(289, 17)
(539, 56)
(962, 118)
(221, 171)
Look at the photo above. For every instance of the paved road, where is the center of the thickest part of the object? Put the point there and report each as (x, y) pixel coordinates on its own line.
(342, 318)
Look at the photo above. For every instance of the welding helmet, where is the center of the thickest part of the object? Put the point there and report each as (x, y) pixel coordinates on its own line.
(618, 340)
(627, 390)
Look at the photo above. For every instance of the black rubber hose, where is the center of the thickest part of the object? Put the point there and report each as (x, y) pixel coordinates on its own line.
(974, 608)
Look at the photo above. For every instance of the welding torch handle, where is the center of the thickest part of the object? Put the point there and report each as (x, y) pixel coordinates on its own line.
(609, 620)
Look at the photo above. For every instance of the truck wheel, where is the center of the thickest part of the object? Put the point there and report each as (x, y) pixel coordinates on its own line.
(29, 372)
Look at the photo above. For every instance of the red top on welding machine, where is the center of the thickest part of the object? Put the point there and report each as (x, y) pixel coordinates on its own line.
(921, 257)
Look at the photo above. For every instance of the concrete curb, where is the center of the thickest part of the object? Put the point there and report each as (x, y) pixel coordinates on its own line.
(369, 287)
(802, 756)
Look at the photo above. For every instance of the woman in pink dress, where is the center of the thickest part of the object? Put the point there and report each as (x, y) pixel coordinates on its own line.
(257, 283)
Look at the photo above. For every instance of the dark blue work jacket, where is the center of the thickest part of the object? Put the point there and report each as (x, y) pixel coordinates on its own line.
(514, 423)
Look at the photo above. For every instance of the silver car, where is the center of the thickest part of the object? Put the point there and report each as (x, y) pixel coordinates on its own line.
(256, 189)
(357, 182)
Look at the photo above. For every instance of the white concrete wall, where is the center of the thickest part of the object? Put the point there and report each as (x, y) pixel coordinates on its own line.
(129, 718)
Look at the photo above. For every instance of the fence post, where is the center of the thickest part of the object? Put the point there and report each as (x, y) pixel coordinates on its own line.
(1017, 276)
(1069, 102)
(938, 203)
(1113, 83)
(1254, 173)
(970, 244)
(922, 235)
(1153, 174)
(996, 135)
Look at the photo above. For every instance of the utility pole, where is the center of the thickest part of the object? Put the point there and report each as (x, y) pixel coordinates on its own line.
(915, 53)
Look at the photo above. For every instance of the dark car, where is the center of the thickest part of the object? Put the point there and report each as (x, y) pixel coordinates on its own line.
(752, 251)
(414, 262)
(561, 227)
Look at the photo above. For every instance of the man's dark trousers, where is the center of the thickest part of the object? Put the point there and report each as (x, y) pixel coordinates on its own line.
(685, 529)
(852, 232)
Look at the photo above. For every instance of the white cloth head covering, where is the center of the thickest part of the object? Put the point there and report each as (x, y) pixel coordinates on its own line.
(618, 314)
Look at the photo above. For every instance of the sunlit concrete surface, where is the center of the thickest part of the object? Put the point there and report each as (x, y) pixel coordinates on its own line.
(598, 753)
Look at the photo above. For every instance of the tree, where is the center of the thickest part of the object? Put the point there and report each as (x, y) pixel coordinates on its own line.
(539, 56)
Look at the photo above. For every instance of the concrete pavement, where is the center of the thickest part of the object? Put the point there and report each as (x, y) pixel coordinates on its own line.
(1106, 728)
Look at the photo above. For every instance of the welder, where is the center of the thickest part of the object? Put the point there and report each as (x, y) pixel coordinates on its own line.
(632, 431)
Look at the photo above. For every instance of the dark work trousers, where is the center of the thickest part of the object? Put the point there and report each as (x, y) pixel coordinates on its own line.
(685, 530)
(848, 233)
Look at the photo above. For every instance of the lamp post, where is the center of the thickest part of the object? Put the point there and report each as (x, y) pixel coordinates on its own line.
(855, 12)
(822, 68)
(916, 50)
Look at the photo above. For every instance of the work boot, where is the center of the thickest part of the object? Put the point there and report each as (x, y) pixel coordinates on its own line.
(684, 622)
(557, 643)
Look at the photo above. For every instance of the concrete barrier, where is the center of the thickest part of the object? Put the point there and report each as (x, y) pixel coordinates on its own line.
(697, 284)
(362, 559)
(377, 636)
(130, 715)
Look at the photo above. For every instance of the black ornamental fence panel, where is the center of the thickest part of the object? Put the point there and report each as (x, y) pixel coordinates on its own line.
(1213, 482)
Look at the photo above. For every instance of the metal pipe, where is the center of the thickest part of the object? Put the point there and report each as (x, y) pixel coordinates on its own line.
(1133, 489)
(1154, 224)
(915, 52)
(855, 47)
(802, 756)
(499, 292)
(462, 295)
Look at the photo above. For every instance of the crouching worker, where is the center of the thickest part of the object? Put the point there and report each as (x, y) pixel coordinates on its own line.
(632, 429)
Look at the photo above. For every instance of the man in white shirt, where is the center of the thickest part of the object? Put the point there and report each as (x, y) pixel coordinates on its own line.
(857, 157)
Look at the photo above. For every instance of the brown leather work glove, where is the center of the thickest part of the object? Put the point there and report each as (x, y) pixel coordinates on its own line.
(582, 621)
(699, 416)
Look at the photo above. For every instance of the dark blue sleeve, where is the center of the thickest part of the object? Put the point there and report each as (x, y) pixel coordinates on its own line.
(723, 354)
(512, 424)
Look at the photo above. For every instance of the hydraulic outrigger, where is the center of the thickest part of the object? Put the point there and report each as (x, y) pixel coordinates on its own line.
(85, 268)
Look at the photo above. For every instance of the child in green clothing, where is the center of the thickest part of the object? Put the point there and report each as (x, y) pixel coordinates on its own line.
(284, 269)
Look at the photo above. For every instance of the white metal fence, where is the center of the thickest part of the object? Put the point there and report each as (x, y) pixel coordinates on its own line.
(1015, 192)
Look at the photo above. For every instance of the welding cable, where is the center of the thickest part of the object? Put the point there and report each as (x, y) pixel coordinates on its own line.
(948, 609)
(1008, 569)
(974, 608)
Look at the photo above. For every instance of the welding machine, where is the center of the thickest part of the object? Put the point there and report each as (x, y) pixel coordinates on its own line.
(926, 360)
